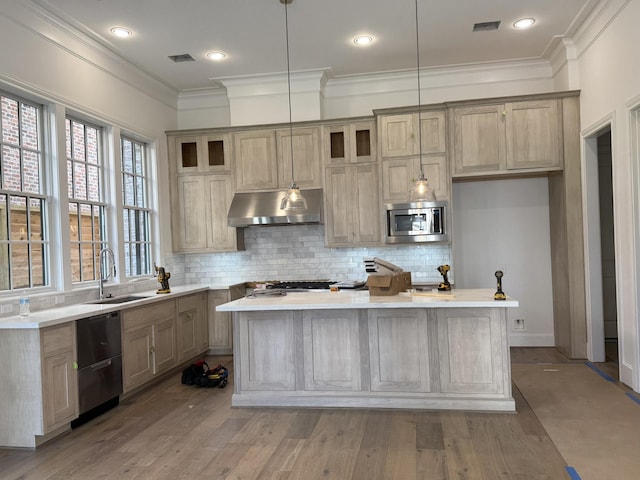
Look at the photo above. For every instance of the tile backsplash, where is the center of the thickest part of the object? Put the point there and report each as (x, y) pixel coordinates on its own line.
(298, 253)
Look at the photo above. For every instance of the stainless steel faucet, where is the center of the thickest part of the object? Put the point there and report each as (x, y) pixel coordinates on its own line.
(111, 271)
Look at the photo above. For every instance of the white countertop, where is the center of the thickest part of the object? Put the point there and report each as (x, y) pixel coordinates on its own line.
(346, 299)
(68, 313)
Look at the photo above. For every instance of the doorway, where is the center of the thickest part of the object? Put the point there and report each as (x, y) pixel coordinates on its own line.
(600, 242)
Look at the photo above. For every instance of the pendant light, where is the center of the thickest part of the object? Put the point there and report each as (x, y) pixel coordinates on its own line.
(293, 199)
(421, 191)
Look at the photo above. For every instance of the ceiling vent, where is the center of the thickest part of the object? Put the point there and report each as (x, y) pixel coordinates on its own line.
(486, 26)
(185, 57)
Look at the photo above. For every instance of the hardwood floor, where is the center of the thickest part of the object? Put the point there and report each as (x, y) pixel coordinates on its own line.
(171, 431)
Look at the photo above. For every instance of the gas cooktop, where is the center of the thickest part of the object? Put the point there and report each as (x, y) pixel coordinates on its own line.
(303, 285)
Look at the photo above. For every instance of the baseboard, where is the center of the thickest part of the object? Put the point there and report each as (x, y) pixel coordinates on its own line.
(531, 340)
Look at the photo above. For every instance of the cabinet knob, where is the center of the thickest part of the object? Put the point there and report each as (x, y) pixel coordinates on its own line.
(504, 113)
(152, 349)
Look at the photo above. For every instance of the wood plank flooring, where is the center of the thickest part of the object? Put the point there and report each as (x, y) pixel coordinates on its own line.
(171, 431)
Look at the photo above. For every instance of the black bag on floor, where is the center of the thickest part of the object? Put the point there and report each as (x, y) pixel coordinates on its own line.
(200, 375)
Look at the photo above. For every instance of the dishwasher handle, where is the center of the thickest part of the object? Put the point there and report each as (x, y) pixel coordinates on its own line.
(100, 365)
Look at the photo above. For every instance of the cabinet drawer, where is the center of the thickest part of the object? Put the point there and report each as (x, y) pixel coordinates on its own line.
(58, 337)
(189, 302)
(148, 314)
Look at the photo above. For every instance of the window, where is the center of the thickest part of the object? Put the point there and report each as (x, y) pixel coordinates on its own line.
(86, 202)
(23, 236)
(135, 211)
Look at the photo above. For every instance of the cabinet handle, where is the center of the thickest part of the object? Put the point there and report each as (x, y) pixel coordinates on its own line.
(504, 113)
(189, 315)
(152, 349)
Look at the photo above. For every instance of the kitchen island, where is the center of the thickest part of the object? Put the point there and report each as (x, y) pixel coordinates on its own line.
(414, 350)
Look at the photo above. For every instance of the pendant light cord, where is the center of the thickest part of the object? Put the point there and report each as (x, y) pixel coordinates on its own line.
(419, 99)
(286, 30)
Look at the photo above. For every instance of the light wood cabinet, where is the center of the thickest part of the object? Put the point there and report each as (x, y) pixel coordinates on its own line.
(498, 138)
(202, 153)
(399, 135)
(267, 352)
(60, 378)
(331, 344)
(39, 394)
(263, 158)
(399, 346)
(352, 205)
(201, 193)
(193, 335)
(306, 157)
(399, 175)
(149, 342)
(349, 143)
(220, 324)
(473, 351)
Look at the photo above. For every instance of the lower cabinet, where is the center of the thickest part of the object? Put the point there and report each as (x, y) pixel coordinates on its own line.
(193, 338)
(398, 349)
(149, 345)
(60, 383)
(39, 394)
(220, 326)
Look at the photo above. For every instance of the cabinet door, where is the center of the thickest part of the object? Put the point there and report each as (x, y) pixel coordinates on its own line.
(60, 392)
(165, 353)
(60, 378)
(220, 326)
(338, 198)
(349, 143)
(202, 153)
(479, 139)
(399, 350)
(255, 162)
(366, 204)
(190, 214)
(192, 326)
(137, 356)
(398, 135)
(436, 171)
(306, 157)
(267, 358)
(434, 134)
(352, 205)
(398, 175)
(220, 237)
(473, 350)
(534, 137)
(331, 340)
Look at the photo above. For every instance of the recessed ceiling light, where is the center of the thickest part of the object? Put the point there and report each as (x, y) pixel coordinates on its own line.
(362, 40)
(216, 55)
(524, 23)
(121, 32)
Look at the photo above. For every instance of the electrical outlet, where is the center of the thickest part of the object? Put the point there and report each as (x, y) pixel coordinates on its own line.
(519, 325)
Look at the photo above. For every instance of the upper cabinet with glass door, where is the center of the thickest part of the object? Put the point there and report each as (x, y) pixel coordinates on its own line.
(203, 153)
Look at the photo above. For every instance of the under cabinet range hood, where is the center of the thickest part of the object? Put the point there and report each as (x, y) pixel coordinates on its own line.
(263, 208)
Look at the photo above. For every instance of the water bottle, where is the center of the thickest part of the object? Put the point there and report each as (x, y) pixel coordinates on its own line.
(24, 305)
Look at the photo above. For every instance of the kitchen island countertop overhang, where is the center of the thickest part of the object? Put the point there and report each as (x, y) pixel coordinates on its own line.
(466, 298)
(352, 350)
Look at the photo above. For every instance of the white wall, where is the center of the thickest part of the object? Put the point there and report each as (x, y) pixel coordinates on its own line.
(504, 225)
(609, 73)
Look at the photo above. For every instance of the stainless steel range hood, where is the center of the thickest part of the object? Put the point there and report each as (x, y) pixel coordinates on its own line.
(263, 208)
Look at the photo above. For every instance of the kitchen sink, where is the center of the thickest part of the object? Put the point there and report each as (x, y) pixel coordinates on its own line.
(128, 298)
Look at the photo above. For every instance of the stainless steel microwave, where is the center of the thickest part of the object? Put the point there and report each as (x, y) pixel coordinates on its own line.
(416, 222)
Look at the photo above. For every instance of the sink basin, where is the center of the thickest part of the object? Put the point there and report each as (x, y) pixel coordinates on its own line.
(128, 298)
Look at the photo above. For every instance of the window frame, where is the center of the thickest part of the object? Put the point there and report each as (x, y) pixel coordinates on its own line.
(29, 197)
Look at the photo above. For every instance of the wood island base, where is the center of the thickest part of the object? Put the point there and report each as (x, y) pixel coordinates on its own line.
(361, 353)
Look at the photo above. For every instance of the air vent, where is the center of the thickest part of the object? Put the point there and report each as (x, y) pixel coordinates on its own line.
(185, 57)
(486, 26)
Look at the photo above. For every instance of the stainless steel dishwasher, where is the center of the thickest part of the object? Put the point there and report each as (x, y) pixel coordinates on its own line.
(99, 348)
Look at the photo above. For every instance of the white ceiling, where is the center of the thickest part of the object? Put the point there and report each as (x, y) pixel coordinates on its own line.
(252, 34)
